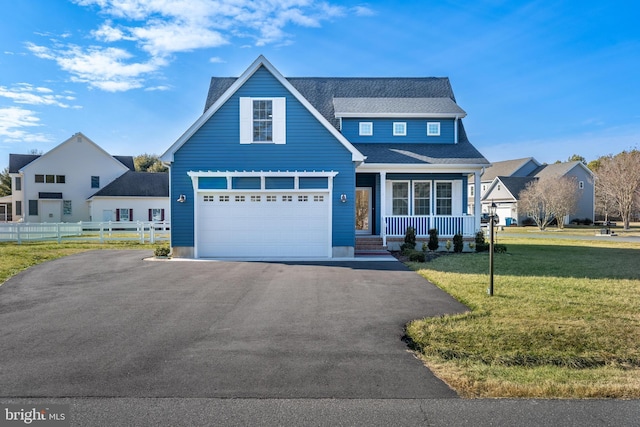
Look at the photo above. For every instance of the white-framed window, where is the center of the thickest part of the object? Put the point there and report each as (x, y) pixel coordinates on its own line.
(18, 185)
(124, 214)
(255, 198)
(157, 214)
(422, 198)
(444, 198)
(318, 198)
(209, 198)
(581, 185)
(223, 198)
(303, 198)
(433, 128)
(262, 120)
(272, 198)
(287, 198)
(240, 199)
(66, 207)
(400, 198)
(399, 128)
(365, 128)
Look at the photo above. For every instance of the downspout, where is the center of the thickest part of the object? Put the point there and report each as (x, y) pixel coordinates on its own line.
(455, 130)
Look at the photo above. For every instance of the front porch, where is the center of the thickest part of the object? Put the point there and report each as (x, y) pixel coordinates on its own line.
(388, 203)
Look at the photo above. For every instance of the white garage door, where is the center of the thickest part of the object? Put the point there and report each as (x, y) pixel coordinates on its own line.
(263, 224)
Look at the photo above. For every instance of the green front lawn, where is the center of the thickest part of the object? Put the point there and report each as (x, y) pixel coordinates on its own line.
(564, 321)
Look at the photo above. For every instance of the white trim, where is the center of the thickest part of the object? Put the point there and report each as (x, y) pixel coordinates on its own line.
(404, 129)
(362, 131)
(432, 133)
(418, 168)
(167, 156)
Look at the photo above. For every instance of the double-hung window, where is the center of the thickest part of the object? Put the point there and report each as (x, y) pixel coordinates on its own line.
(421, 198)
(444, 194)
(262, 120)
(400, 198)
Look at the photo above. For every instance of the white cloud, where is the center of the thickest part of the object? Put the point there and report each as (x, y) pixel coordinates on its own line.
(13, 120)
(161, 38)
(157, 88)
(161, 28)
(24, 93)
(103, 68)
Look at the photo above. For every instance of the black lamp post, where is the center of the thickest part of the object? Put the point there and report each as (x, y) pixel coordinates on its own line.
(492, 215)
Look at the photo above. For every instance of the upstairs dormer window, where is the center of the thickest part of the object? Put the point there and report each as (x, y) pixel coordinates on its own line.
(433, 128)
(399, 129)
(366, 128)
(262, 120)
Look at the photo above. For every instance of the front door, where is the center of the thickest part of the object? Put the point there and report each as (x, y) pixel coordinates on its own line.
(363, 210)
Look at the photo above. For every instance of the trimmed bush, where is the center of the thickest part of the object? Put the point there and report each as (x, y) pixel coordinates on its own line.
(163, 250)
(433, 239)
(458, 244)
(409, 241)
(416, 256)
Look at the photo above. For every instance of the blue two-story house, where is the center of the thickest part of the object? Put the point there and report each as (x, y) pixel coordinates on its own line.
(299, 167)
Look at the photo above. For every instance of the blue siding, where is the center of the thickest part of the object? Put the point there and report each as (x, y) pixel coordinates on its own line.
(309, 146)
(383, 131)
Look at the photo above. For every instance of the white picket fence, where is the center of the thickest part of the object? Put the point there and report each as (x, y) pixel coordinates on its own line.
(144, 232)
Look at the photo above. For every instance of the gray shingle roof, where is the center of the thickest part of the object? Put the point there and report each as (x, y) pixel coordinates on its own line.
(554, 170)
(515, 184)
(137, 184)
(320, 91)
(127, 161)
(504, 168)
(408, 107)
(461, 153)
(18, 161)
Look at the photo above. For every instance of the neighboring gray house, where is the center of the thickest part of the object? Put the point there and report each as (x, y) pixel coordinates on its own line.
(504, 191)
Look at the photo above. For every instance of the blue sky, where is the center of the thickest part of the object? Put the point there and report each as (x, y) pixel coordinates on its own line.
(542, 79)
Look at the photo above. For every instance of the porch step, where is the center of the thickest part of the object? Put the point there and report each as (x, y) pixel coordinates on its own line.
(369, 243)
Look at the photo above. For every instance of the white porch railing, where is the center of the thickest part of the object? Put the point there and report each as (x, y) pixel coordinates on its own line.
(396, 225)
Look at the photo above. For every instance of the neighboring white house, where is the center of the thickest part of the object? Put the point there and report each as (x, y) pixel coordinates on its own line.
(134, 196)
(56, 186)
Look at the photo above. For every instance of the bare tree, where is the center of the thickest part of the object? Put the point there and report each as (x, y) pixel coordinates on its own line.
(618, 182)
(549, 198)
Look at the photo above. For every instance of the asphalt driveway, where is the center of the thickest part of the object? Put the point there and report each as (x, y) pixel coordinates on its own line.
(107, 323)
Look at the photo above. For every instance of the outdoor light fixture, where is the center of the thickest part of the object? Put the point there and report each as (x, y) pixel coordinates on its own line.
(492, 215)
(182, 198)
(343, 198)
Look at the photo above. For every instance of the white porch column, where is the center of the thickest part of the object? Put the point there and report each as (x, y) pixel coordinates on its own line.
(477, 208)
(383, 208)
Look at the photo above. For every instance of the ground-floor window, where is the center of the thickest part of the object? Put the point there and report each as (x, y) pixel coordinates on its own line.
(421, 198)
(400, 198)
(444, 194)
(66, 207)
(157, 214)
(124, 214)
(33, 207)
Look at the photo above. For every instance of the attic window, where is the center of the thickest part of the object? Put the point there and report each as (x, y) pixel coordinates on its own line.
(263, 120)
(433, 128)
(366, 128)
(399, 129)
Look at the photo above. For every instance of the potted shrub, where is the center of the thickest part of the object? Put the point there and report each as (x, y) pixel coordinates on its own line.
(162, 251)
